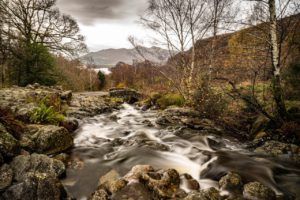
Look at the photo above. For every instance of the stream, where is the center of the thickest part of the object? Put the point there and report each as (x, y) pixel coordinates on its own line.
(125, 138)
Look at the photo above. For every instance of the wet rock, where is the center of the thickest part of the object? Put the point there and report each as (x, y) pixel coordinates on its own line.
(6, 177)
(100, 194)
(141, 139)
(129, 95)
(165, 184)
(23, 165)
(136, 191)
(258, 191)
(210, 194)
(148, 123)
(9, 146)
(71, 124)
(231, 182)
(47, 139)
(114, 117)
(186, 117)
(189, 182)
(276, 148)
(137, 172)
(112, 182)
(39, 186)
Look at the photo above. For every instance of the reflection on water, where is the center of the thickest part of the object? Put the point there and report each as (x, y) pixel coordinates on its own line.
(122, 140)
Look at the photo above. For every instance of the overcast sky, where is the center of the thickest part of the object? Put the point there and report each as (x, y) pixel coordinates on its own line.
(107, 23)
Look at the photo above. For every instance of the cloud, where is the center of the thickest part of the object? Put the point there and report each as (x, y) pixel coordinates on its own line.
(90, 11)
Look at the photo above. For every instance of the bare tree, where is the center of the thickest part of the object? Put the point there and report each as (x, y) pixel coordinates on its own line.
(180, 24)
(39, 21)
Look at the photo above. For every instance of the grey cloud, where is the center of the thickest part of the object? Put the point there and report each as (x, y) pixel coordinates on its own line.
(90, 11)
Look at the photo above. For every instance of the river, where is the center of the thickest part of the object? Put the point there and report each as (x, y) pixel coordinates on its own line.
(125, 138)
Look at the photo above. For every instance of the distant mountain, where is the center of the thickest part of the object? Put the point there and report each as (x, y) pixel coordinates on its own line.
(110, 57)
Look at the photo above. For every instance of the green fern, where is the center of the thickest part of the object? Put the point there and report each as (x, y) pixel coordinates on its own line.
(44, 114)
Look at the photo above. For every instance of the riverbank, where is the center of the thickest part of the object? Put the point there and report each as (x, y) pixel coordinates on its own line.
(135, 153)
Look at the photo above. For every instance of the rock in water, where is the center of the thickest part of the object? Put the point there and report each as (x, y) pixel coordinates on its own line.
(47, 139)
(258, 191)
(231, 182)
(9, 146)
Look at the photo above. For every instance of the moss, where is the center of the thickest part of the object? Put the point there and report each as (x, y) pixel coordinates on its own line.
(170, 100)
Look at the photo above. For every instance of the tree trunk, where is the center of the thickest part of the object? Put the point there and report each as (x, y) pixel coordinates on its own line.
(277, 89)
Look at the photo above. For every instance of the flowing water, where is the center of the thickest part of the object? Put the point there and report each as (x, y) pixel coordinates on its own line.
(124, 139)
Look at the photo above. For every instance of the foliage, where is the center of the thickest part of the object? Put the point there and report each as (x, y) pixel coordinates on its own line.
(46, 114)
(50, 100)
(73, 76)
(171, 99)
(101, 77)
(33, 65)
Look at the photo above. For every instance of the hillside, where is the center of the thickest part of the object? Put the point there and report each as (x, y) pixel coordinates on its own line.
(110, 57)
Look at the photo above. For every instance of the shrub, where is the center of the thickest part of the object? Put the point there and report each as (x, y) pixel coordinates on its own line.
(170, 100)
(46, 114)
(209, 102)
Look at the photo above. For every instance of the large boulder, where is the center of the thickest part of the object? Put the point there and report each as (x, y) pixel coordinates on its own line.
(47, 139)
(36, 163)
(36, 186)
(9, 146)
(35, 177)
(129, 95)
(258, 191)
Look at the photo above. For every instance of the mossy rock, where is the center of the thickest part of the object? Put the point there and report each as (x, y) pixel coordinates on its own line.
(47, 139)
(9, 146)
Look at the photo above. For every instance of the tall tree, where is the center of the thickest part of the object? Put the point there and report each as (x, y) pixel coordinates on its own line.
(30, 28)
(277, 88)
